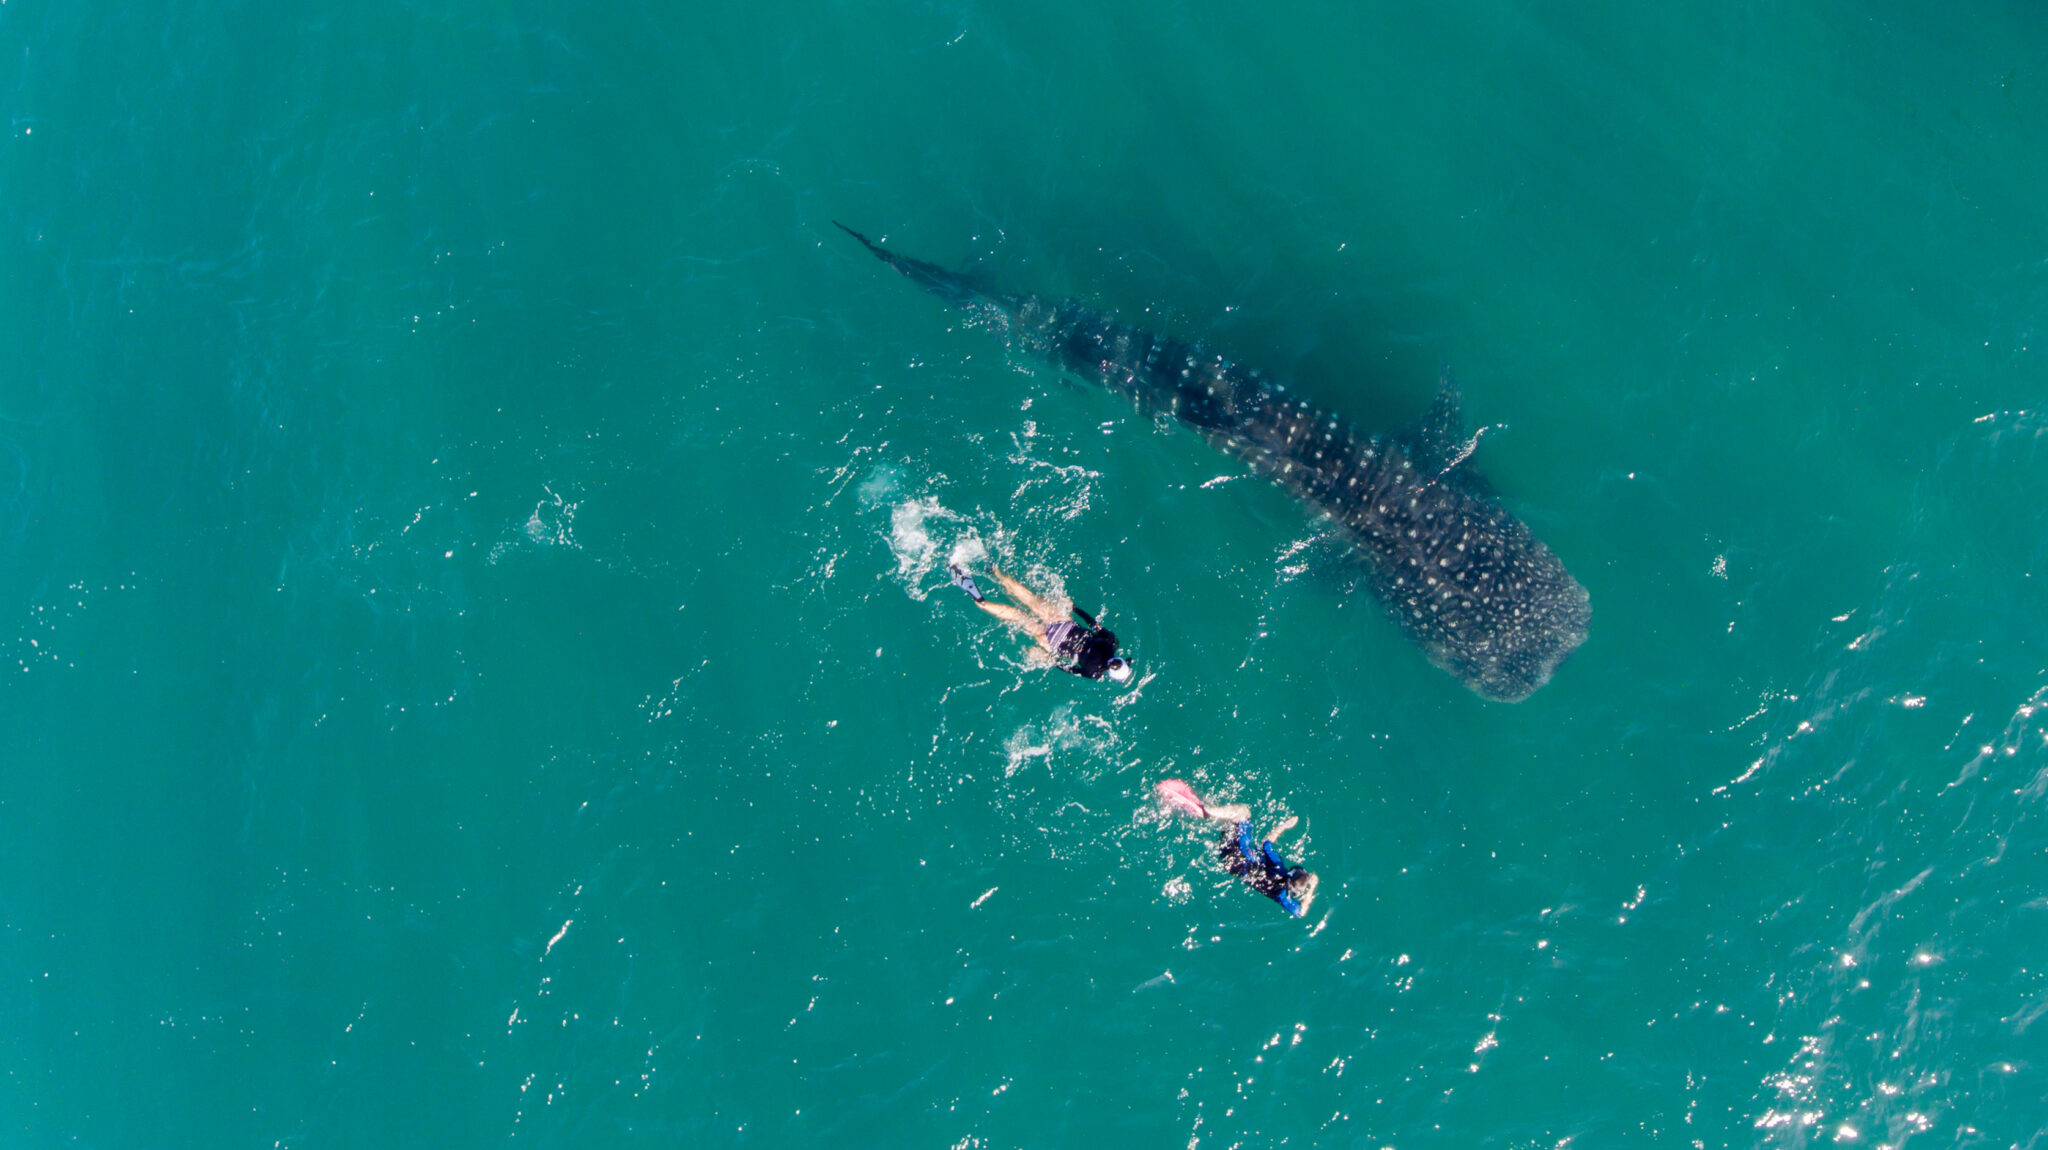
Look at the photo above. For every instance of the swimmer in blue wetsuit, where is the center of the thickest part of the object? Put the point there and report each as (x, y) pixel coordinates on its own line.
(1258, 864)
(1088, 651)
(1293, 887)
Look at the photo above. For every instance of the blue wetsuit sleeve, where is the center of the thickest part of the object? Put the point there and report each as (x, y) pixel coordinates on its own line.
(1284, 898)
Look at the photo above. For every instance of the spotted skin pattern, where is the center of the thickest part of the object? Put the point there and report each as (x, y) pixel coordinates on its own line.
(1466, 580)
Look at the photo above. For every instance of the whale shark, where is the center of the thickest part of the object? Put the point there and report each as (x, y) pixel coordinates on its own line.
(1466, 580)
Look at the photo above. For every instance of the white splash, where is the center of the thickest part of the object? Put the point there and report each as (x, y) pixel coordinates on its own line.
(553, 521)
(1064, 731)
(912, 527)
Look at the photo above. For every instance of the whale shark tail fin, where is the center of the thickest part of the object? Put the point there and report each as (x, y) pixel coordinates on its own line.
(950, 286)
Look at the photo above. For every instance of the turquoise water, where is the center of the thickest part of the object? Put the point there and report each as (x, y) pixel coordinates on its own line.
(479, 668)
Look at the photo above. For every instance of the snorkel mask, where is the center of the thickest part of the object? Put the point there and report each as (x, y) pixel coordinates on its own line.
(1118, 669)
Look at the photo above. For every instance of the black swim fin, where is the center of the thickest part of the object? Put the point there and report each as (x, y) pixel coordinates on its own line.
(965, 581)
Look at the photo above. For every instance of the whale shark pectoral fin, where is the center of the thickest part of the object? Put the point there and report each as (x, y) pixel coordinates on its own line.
(1436, 439)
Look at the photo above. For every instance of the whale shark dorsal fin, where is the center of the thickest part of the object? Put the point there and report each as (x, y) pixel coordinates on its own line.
(1437, 437)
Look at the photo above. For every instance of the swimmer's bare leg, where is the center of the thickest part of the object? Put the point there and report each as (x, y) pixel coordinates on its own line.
(1026, 596)
(1017, 619)
(1231, 813)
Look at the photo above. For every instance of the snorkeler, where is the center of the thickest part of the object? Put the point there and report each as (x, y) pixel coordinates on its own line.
(1088, 651)
(1259, 865)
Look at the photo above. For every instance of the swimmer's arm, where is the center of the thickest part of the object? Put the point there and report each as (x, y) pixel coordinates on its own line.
(1281, 828)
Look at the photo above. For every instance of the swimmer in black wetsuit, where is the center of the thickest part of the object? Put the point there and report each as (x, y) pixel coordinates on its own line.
(1088, 651)
(1258, 864)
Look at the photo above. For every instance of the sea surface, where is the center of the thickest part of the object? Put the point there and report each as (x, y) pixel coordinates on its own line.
(477, 665)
